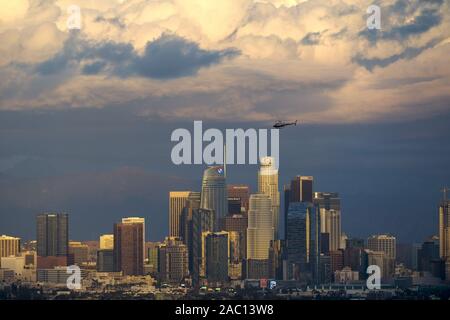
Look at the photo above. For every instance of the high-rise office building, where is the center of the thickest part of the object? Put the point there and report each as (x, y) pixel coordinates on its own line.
(52, 234)
(78, 253)
(303, 241)
(384, 243)
(444, 233)
(177, 201)
(337, 260)
(52, 240)
(214, 193)
(152, 257)
(105, 260)
(277, 256)
(299, 190)
(216, 256)
(286, 197)
(137, 220)
(173, 260)
(427, 254)
(237, 223)
(242, 192)
(329, 205)
(236, 242)
(260, 233)
(268, 185)
(106, 241)
(192, 203)
(260, 229)
(354, 243)
(129, 247)
(234, 206)
(9, 246)
(383, 261)
(203, 220)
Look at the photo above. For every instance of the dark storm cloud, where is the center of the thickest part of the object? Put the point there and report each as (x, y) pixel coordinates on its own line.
(407, 54)
(167, 57)
(422, 23)
(113, 21)
(311, 39)
(426, 16)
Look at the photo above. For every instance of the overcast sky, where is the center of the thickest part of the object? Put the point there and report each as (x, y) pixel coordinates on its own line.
(86, 116)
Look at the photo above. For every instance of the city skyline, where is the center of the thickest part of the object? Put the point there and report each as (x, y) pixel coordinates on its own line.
(184, 194)
(87, 112)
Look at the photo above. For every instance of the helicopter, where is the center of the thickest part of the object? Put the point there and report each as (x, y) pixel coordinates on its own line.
(281, 124)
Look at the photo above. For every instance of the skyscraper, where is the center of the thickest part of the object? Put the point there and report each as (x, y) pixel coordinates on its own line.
(303, 240)
(299, 190)
(106, 241)
(384, 243)
(52, 234)
(329, 205)
(286, 196)
(214, 193)
(234, 206)
(9, 246)
(202, 221)
(216, 256)
(78, 253)
(240, 191)
(192, 203)
(302, 189)
(52, 240)
(277, 256)
(444, 228)
(137, 220)
(238, 223)
(105, 260)
(173, 260)
(268, 185)
(260, 233)
(236, 242)
(444, 233)
(177, 201)
(129, 248)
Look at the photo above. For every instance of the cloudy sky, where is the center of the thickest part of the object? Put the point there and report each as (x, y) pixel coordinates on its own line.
(86, 115)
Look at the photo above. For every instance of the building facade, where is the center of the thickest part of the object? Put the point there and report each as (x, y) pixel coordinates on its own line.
(177, 201)
(242, 192)
(9, 246)
(329, 205)
(173, 260)
(129, 248)
(214, 193)
(268, 185)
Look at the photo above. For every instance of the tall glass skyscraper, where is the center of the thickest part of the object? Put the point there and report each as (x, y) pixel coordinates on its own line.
(216, 256)
(299, 190)
(214, 193)
(52, 234)
(303, 240)
(268, 185)
(260, 233)
(202, 221)
(330, 216)
(260, 229)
